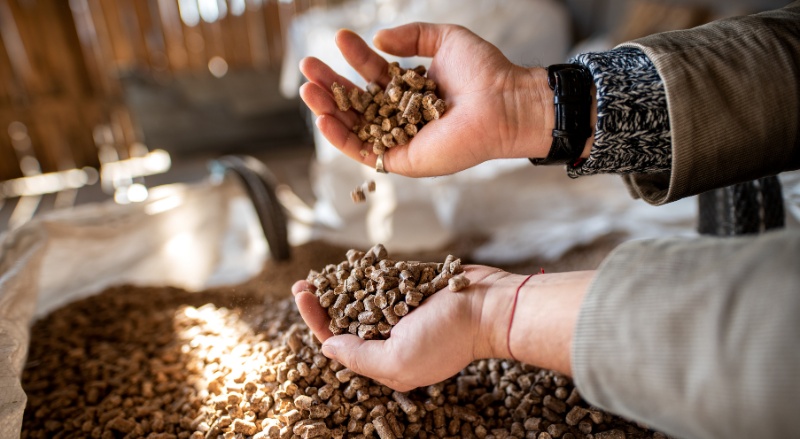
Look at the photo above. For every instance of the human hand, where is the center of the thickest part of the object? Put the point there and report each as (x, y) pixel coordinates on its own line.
(429, 345)
(495, 109)
(451, 329)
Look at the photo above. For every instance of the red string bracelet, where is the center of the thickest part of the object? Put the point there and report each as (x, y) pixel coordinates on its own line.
(513, 310)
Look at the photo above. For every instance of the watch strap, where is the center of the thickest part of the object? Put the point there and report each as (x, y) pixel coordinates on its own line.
(571, 85)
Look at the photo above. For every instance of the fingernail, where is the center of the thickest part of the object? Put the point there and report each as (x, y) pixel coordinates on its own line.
(318, 121)
(329, 351)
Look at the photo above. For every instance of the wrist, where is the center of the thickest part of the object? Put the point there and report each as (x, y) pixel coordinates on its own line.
(587, 147)
(494, 315)
(537, 98)
(545, 316)
(530, 114)
(544, 105)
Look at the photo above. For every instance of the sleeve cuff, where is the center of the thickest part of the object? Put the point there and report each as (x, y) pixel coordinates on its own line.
(632, 134)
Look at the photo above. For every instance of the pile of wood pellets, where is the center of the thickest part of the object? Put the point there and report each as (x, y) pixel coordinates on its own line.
(368, 294)
(164, 363)
(390, 116)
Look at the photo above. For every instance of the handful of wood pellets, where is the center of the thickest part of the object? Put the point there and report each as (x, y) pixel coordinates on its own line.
(368, 294)
(391, 116)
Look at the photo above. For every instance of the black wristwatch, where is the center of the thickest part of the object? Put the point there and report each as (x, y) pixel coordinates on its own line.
(572, 86)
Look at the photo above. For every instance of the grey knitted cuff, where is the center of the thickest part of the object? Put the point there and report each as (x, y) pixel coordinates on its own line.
(632, 133)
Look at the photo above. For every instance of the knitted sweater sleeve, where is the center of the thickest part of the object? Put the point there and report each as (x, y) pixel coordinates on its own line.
(632, 134)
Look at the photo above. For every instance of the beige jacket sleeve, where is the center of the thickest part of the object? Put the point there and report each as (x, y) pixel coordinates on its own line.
(733, 96)
(698, 338)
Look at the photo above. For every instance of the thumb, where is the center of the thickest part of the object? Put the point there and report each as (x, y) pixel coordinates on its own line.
(364, 357)
(414, 39)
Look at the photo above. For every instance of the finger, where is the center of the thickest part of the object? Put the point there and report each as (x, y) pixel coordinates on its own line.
(321, 102)
(300, 286)
(345, 140)
(319, 73)
(413, 39)
(364, 357)
(366, 61)
(313, 314)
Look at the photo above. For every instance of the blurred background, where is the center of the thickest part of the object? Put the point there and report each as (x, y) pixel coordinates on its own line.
(103, 98)
(106, 99)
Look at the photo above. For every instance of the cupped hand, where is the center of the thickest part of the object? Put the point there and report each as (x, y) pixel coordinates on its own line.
(430, 344)
(495, 109)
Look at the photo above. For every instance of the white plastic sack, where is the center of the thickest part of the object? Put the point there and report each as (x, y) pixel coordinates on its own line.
(189, 236)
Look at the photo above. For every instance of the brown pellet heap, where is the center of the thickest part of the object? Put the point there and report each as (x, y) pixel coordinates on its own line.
(164, 363)
(368, 294)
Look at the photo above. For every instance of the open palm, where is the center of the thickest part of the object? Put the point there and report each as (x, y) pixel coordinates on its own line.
(429, 345)
(493, 105)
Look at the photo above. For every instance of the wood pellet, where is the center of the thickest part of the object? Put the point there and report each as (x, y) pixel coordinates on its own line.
(359, 194)
(391, 116)
(167, 364)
